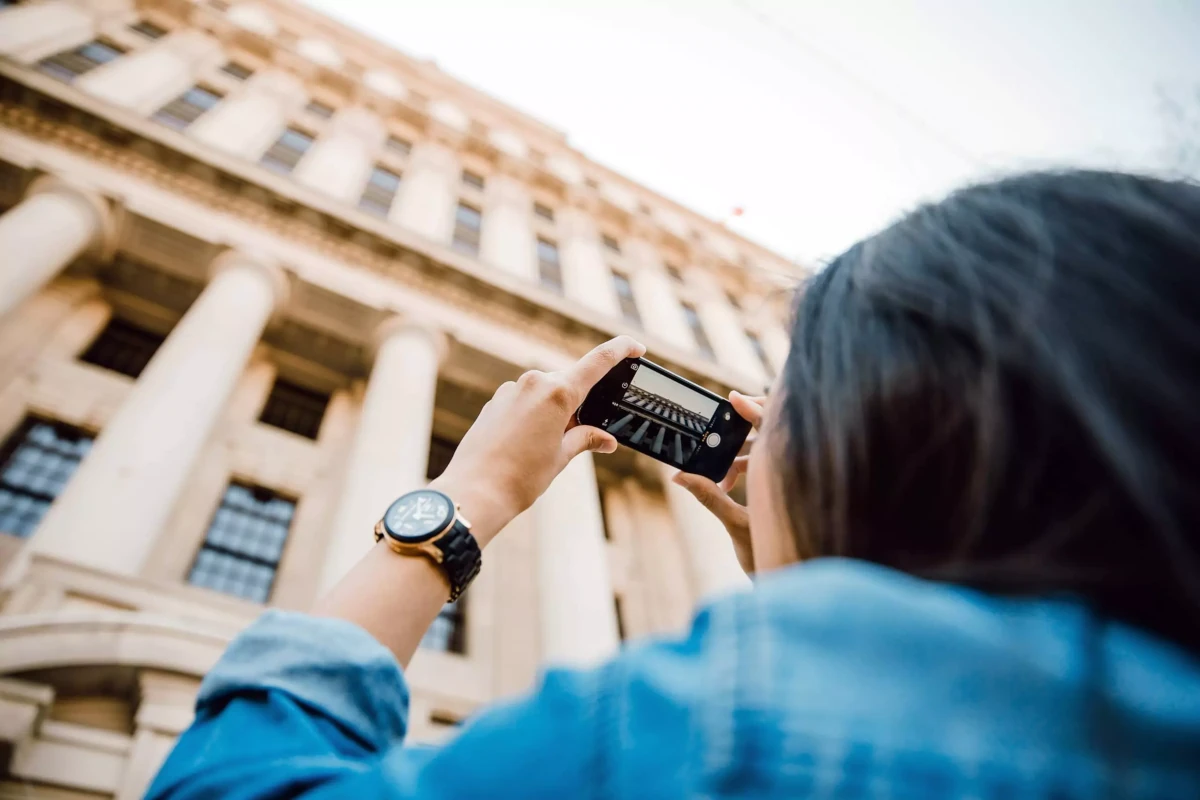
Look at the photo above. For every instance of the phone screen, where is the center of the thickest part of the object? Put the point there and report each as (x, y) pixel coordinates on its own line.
(657, 414)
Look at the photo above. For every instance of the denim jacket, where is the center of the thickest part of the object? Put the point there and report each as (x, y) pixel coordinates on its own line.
(830, 679)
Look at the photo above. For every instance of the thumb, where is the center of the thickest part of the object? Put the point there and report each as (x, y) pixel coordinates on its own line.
(585, 437)
(711, 497)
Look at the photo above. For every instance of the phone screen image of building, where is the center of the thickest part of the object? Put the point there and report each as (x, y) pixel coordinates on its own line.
(662, 417)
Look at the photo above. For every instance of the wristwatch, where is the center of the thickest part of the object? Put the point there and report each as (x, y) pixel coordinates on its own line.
(427, 523)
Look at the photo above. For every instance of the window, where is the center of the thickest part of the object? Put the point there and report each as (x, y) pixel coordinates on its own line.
(187, 108)
(624, 289)
(549, 269)
(237, 70)
(760, 351)
(294, 408)
(123, 347)
(467, 222)
(148, 29)
(674, 273)
(319, 109)
(400, 147)
(543, 212)
(610, 243)
(693, 321)
(441, 450)
(474, 180)
(448, 631)
(285, 154)
(379, 192)
(70, 64)
(244, 543)
(35, 464)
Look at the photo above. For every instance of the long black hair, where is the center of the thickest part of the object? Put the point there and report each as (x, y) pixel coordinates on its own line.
(1002, 390)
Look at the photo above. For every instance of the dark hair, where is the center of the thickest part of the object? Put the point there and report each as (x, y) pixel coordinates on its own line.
(1002, 390)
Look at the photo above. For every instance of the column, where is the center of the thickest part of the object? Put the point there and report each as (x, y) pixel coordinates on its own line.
(712, 564)
(655, 295)
(724, 328)
(246, 123)
(776, 342)
(32, 31)
(507, 238)
(44, 233)
(341, 159)
(391, 447)
(579, 624)
(147, 79)
(587, 278)
(119, 499)
(429, 191)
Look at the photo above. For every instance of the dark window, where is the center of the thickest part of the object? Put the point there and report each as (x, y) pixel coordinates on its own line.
(317, 108)
(187, 108)
(123, 347)
(619, 613)
(549, 268)
(545, 212)
(237, 70)
(693, 321)
(401, 147)
(70, 64)
(472, 179)
(289, 148)
(610, 243)
(674, 273)
(294, 408)
(448, 633)
(444, 719)
(35, 464)
(761, 352)
(467, 223)
(379, 192)
(624, 289)
(148, 29)
(733, 301)
(441, 450)
(244, 542)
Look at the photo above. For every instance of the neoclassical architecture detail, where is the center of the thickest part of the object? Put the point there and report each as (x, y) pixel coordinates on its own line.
(261, 273)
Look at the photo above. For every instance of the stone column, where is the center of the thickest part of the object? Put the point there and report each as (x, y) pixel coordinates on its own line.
(725, 330)
(246, 123)
(340, 161)
(587, 278)
(146, 79)
(579, 624)
(655, 293)
(507, 240)
(391, 447)
(429, 191)
(44, 233)
(119, 499)
(32, 31)
(712, 564)
(776, 342)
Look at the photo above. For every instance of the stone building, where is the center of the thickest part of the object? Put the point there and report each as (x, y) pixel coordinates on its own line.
(258, 273)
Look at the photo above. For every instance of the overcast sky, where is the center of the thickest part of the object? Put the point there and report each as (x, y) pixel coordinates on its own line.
(822, 119)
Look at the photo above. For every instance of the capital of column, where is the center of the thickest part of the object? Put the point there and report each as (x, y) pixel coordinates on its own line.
(398, 325)
(275, 276)
(104, 240)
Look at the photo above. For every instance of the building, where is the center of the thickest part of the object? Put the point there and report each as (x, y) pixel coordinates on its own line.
(259, 273)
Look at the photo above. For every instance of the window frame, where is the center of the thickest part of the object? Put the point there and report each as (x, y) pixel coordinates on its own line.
(626, 301)
(287, 405)
(550, 272)
(18, 439)
(272, 161)
(170, 113)
(466, 238)
(375, 198)
(696, 326)
(56, 65)
(119, 333)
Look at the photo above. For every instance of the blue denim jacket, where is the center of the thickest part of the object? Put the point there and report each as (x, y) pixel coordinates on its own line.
(831, 679)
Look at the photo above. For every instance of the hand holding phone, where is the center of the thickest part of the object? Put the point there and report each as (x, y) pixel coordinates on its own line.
(660, 414)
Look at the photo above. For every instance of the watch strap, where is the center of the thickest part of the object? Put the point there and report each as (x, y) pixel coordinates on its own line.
(461, 558)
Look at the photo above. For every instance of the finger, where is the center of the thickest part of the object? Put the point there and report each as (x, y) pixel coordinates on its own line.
(585, 437)
(595, 365)
(711, 497)
(736, 470)
(748, 408)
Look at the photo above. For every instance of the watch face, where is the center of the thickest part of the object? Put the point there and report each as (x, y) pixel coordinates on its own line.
(418, 515)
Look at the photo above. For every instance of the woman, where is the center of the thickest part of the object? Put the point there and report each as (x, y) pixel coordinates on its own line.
(973, 509)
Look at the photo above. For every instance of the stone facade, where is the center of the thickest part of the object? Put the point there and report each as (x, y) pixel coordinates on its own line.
(281, 214)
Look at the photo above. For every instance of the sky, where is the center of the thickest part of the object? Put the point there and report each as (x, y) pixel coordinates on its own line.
(823, 120)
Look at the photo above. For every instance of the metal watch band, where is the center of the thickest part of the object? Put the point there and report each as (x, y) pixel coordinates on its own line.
(461, 559)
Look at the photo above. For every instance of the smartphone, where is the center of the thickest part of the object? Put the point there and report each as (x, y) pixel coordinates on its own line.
(669, 418)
